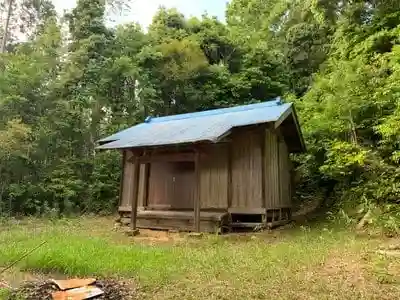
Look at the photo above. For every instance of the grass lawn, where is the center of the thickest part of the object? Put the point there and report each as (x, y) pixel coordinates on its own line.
(300, 263)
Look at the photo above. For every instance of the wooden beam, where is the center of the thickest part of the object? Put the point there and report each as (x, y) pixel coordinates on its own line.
(135, 192)
(197, 204)
(159, 207)
(170, 157)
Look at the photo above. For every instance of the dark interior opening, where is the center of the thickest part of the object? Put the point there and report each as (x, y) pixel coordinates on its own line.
(182, 185)
(246, 218)
(171, 185)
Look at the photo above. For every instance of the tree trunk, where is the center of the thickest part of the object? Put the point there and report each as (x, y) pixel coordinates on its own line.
(5, 33)
(353, 131)
(93, 130)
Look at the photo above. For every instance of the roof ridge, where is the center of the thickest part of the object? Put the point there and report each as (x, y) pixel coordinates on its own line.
(237, 116)
(211, 112)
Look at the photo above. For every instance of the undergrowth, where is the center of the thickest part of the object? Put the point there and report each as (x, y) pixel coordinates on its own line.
(253, 266)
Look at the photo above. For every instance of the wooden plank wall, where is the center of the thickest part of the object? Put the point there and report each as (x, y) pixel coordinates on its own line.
(214, 177)
(183, 185)
(246, 176)
(127, 183)
(160, 185)
(272, 184)
(246, 168)
(277, 171)
(142, 193)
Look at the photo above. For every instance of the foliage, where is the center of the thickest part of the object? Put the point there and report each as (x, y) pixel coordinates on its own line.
(61, 91)
(352, 112)
(4, 293)
(68, 90)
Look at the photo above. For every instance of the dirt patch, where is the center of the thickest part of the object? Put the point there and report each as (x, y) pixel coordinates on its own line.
(35, 290)
(344, 267)
(158, 236)
(14, 277)
(352, 272)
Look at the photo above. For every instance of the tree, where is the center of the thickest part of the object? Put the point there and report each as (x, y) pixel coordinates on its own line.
(20, 18)
(337, 60)
(350, 111)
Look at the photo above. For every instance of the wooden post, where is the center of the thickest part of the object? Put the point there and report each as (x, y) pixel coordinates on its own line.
(135, 192)
(197, 204)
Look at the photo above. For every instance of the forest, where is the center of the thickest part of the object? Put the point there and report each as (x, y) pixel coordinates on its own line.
(74, 79)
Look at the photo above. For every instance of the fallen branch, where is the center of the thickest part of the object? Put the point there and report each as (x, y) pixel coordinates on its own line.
(22, 257)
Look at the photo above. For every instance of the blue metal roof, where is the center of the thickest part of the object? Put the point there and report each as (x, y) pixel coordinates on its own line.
(205, 126)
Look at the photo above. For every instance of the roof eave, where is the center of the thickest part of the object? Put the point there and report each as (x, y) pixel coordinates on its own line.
(296, 121)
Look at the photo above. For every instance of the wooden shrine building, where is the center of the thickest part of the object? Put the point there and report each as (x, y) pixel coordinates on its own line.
(209, 170)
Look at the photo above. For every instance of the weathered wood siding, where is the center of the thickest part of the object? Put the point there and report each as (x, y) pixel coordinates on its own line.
(277, 171)
(160, 185)
(127, 182)
(171, 185)
(230, 177)
(246, 170)
(143, 188)
(183, 185)
(272, 186)
(284, 174)
(214, 177)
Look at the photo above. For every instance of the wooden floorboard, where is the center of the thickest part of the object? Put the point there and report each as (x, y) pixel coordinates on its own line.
(211, 221)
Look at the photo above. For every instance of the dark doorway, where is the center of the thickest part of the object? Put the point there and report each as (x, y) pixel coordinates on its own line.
(171, 185)
(183, 180)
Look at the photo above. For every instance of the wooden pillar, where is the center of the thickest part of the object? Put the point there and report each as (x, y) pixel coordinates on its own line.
(197, 204)
(135, 192)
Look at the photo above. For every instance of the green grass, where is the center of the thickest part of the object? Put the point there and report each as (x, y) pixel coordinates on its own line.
(288, 264)
(4, 293)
